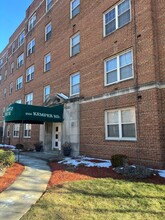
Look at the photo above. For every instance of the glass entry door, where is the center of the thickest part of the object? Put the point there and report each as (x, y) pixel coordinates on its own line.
(56, 136)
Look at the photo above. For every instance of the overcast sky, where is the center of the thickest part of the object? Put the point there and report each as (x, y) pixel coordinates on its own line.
(12, 13)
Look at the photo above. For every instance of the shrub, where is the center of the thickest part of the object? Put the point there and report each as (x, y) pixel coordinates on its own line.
(7, 158)
(19, 146)
(38, 146)
(66, 147)
(118, 160)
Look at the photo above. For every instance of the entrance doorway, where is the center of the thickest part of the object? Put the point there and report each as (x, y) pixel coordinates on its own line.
(56, 136)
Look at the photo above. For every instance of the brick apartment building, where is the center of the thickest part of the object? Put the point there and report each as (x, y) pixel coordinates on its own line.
(104, 61)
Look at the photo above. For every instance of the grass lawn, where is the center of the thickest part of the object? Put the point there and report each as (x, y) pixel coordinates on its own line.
(101, 199)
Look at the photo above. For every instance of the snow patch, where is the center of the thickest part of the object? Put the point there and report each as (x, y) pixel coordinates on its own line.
(86, 161)
(162, 173)
(7, 146)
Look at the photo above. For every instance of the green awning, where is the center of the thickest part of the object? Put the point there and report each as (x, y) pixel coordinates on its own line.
(30, 114)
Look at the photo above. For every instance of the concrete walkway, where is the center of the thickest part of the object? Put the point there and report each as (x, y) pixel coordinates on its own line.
(26, 190)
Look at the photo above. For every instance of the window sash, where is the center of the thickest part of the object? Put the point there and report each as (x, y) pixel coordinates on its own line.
(49, 4)
(19, 83)
(21, 39)
(29, 99)
(75, 45)
(27, 130)
(48, 32)
(47, 61)
(30, 74)
(120, 18)
(16, 129)
(46, 92)
(75, 84)
(75, 8)
(20, 60)
(32, 22)
(118, 129)
(115, 71)
(31, 47)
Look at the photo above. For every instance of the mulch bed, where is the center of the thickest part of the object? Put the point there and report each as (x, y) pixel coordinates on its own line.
(63, 173)
(10, 175)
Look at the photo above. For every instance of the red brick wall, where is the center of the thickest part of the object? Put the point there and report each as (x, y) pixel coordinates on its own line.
(144, 35)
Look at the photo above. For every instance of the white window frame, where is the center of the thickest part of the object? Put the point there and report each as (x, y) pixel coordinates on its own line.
(20, 60)
(6, 73)
(116, 18)
(49, 5)
(19, 83)
(12, 67)
(71, 86)
(120, 125)
(8, 131)
(48, 33)
(72, 9)
(27, 131)
(32, 22)
(1, 61)
(118, 68)
(19, 101)
(46, 63)
(16, 130)
(46, 95)
(30, 73)
(13, 47)
(31, 47)
(4, 92)
(11, 88)
(29, 99)
(71, 44)
(21, 39)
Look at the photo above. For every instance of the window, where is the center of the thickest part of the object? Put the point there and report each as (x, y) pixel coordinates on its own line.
(11, 88)
(12, 67)
(5, 75)
(13, 47)
(31, 47)
(27, 130)
(19, 83)
(3, 111)
(120, 124)
(16, 129)
(1, 62)
(20, 60)
(18, 101)
(4, 92)
(46, 92)
(117, 17)
(49, 4)
(30, 73)
(75, 84)
(21, 39)
(6, 55)
(29, 99)
(32, 22)
(48, 31)
(8, 130)
(118, 68)
(75, 45)
(47, 60)
(74, 8)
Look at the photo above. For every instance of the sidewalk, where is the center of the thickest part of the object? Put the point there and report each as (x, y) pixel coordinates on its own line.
(26, 190)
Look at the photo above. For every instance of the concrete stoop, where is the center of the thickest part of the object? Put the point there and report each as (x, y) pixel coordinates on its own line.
(46, 156)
